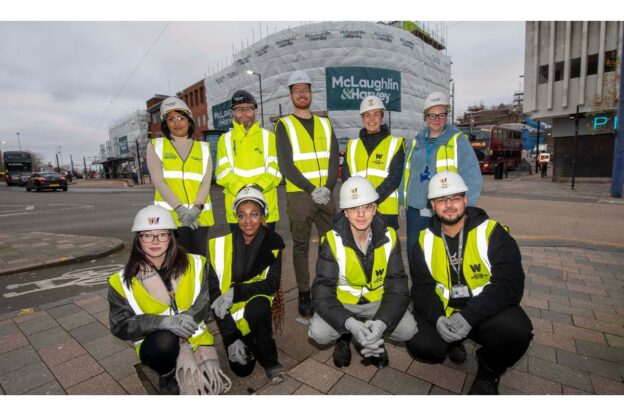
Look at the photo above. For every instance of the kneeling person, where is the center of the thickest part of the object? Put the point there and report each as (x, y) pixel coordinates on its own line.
(360, 287)
(467, 282)
(244, 277)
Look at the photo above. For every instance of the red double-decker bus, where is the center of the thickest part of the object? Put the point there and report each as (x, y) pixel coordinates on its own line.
(496, 144)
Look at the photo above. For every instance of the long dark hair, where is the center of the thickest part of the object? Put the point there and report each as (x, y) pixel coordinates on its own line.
(174, 265)
(167, 133)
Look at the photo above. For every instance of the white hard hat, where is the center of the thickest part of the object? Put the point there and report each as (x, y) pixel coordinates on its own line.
(435, 98)
(299, 77)
(153, 217)
(357, 191)
(372, 102)
(174, 103)
(446, 183)
(249, 193)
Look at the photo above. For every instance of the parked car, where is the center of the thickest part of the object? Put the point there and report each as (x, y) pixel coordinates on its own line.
(22, 179)
(46, 180)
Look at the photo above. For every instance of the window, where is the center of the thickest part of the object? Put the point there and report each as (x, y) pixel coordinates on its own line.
(575, 68)
(543, 74)
(201, 94)
(610, 63)
(558, 71)
(592, 64)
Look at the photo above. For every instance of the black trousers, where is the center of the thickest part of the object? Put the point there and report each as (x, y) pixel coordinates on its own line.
(504, 339)
(159, 351)
(194, 241)
(260, 340)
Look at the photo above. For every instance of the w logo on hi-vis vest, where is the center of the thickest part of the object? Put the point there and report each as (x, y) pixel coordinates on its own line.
(153, 220)
(475, 268)
(379, 272)
(378, 155)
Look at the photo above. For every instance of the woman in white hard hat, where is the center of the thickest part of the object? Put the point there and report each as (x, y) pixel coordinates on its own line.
(439, 146)
(181, 171)
(377, 156)
(244, 279)
(160, 301)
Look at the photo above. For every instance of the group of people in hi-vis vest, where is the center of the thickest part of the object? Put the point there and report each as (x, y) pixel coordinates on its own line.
(466, 273)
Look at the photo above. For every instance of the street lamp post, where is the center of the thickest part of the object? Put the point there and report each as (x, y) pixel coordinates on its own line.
(250, 72)
(19, 142)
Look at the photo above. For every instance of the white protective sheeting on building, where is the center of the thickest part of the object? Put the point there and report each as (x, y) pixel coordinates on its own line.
(346, 61)
(124, 134)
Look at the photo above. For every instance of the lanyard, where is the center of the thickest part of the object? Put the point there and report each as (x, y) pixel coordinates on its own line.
(171, 292)
(459, 254)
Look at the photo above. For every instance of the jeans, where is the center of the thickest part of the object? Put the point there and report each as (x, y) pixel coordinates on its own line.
(415, 224)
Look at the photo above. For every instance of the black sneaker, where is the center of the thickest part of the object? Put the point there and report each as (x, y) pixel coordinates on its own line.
(275, 374)
(457, 353)
(342, 351)
(168, 385)
(485, 382)
(305, 304)
(382, 360)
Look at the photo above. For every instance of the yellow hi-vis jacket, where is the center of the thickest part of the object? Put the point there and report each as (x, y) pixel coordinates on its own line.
(221, 250)
(353, 284)
(248, 158)
(375, 167)
(476, 267)
(310, 155)
(184, 177)
(446, 159)
(142, 303)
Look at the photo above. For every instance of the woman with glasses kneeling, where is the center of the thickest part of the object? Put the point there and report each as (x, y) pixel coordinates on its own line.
(160, 301)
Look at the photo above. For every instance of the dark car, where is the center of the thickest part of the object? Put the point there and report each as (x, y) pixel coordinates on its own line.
(23, 178)
(46, 180)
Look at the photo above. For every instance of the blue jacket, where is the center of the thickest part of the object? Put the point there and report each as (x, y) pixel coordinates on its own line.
(468, 167)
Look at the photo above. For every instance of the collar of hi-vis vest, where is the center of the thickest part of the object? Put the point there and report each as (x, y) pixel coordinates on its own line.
(231, 152)
(295, 140)
(363, 169)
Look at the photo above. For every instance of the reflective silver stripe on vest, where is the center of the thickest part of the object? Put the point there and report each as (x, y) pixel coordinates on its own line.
(445, 291)
(178, 174)
(477, 290)
(450, 162)
(482, 245)
(238, 315)
(158, 147)
(297, 155)
(219, 263)
(428, 248)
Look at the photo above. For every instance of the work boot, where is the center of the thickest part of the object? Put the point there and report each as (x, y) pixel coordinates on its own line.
(342, 351)
(275, 374)
(168, 385)
(305, 304)
(457, 353)
(381, 361)
(485, 382)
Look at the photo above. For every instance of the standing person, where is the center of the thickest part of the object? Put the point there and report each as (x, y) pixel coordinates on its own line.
(360, 287)
(246, 157)
(467, 282)
(160, 302)
(377, 156)
(244, 278)
(181, 171)
(439, 147)
(307, 152)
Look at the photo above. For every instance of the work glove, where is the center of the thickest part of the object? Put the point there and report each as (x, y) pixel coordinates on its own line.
(374, 349)
(188, 216)
(214, 380)
(236, 352)
(223, 303)
(321, 195)
(377, 329)
(445, 329)
(358, 329)
(182, 325)
(460, 325)
(402, 212)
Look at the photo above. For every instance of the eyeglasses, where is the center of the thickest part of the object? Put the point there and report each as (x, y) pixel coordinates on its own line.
(301, 92)
(148, 238)
(375, 115)
(361, 208)
(255, 216)
(171, 119)
(454, 199)
(440, 116)
(244, 109)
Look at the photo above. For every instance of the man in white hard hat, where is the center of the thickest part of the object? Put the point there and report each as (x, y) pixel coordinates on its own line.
(246, 156)
(378, 156)
(360, 288)
(307, 152)
(467, 282)
(440, 146)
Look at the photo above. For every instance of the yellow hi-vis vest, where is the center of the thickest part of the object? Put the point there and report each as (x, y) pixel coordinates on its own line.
(446, 159)
(353, 283)
(184, 177)
(245, 158)
(221, 250)
(476, 266)
(310, 155)
(375, 167)
(186, 294)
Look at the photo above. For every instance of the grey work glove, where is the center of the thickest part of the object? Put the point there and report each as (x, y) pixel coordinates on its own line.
(188, 216)
(182, 325)
(359, 330)
(374, 349)
(321, 195)
(236, 352)
(223, 303)
(445, 329)
(377, 328)
(460, 325)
